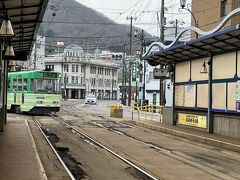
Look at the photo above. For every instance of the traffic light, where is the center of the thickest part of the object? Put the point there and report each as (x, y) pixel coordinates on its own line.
(140, 68)
(117, 56)
(168, 85)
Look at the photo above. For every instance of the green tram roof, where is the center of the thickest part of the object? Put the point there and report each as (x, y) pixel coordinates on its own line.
(34, 73)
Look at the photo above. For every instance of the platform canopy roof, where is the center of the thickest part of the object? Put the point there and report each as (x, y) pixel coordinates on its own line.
(25, 17)
(227, 40)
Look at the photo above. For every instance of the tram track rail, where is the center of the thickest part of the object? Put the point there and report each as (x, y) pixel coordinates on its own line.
(213, 169)
(144, 173)
(53, 149)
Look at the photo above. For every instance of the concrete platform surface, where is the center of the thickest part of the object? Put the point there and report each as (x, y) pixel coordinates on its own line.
(18, 156)
(196, 135)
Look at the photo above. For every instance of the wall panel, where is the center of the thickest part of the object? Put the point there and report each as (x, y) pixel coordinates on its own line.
(224, 66)
(232, 96)
(219, 96)
(202, 95)
(189, 95)
(183, 72)
(196, 67)
(179, 95)
(238, 64)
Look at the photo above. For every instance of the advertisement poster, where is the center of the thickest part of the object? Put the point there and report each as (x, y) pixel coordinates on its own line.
(189, 95)
(238, 96)
(134, 72)
(192, 120)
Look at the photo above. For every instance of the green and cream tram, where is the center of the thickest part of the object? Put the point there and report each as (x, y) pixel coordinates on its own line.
(34, 92)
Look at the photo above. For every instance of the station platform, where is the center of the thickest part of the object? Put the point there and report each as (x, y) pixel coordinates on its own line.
(19, 157)
(192, 134)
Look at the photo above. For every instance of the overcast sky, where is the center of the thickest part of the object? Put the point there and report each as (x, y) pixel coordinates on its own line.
(144, 12)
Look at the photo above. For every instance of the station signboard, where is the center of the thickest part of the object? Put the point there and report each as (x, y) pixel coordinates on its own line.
(192, 120)
(238, 96)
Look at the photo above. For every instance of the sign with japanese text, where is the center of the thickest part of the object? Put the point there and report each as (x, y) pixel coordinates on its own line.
(238, 96)
(192, 120)
(134, 64)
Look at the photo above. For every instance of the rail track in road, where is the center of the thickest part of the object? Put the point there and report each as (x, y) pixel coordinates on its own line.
(141, 173)
(71, 176)
(206, 165)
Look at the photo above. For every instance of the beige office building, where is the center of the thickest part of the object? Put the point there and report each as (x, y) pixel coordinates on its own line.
(209, 13)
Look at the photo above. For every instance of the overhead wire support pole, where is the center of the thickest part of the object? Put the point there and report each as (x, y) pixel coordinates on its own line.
(161, 93)
(35, 56)
(1, 107)
(130, 53)
(124, 78)
(144, 65)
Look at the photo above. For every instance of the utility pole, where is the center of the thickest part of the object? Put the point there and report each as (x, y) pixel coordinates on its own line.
(112, 81)
(162, 95)
(35, 56)
(176, 27)
(1, 93)
(144, 65)
(130, 53)
(124, 78)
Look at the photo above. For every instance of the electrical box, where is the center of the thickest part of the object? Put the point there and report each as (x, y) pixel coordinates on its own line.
(159, 73)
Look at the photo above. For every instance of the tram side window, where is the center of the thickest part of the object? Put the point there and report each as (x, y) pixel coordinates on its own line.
(14, 85)
(8, 85)
(19, 84)
(32, 88)
(25, 84)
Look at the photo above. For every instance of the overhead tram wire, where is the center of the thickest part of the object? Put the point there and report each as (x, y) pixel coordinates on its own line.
(90, 23)
(56, 8)
(84, 37)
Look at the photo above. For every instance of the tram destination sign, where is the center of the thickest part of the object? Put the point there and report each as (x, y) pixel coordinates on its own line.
(49, 75)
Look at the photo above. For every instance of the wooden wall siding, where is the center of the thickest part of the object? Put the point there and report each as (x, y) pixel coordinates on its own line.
(227, 126)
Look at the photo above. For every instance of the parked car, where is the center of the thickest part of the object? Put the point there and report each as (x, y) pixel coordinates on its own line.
(90, 99)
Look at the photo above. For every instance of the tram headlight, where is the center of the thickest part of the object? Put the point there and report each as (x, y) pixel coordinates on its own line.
(55, 102)
(39, 102)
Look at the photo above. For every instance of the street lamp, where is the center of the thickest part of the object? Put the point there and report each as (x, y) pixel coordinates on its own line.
(204, 68)
(6, 33)
(183, 6)
(141, 37)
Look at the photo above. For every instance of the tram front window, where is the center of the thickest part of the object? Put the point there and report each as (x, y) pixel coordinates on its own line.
(49, 86)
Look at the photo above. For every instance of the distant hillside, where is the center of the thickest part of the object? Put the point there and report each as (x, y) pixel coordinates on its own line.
(84, 26)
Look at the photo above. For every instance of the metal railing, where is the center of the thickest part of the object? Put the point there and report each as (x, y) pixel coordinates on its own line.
(147, 112)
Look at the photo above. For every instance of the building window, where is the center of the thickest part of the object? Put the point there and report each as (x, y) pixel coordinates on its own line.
(100, 71)
(76, 68)
(49, 67)
(93, 81)
(66, 67)
(93, 70)
(76, 80)
(72, 80)
(107, 71)
(73, 68)
(223, 8)
(82, 80)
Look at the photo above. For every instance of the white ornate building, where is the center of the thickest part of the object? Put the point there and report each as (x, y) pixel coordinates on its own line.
(84, 73)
